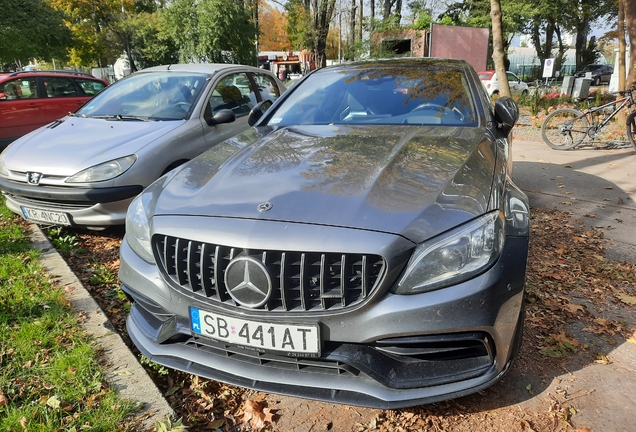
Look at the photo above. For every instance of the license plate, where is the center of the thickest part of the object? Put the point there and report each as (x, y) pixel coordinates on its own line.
(294, 340)
(57, 218)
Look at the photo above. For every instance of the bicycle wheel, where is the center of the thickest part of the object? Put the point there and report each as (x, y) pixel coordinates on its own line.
(564, 129)
(631, 129)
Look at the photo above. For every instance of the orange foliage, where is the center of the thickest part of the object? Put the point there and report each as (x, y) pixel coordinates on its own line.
(272, 24)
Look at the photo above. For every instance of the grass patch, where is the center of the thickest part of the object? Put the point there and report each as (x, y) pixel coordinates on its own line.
(50, 379)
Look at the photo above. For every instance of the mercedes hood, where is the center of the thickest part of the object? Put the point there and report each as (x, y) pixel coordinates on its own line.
(412, 181)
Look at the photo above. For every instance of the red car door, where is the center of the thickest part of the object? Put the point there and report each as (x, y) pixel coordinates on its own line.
(63, 96)
(21, 109)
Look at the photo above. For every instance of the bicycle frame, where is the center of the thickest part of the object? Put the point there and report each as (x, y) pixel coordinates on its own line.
(621, 103)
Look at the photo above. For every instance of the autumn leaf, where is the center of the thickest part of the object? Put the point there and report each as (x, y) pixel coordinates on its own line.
(257, 414)
(3, 399)
(627, 299)
(609, 187)
(53, 402)
(172, 391)
(602, 359)
(574, 308)
(590, 215)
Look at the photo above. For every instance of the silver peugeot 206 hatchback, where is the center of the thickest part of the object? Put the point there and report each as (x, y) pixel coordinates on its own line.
(363, 243)
(85, 168)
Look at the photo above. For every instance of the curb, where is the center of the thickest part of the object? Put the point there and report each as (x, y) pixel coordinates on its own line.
(121, 369)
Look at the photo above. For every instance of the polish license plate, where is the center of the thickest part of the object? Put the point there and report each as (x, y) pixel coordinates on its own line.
(294, 340)
(52, 217)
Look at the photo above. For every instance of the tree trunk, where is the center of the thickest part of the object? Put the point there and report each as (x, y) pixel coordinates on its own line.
(352, 28)
(361, 11)
(497, 47)
(629, 7)
(621, 45)
(582, 31)
(371, 23)
(323, 12)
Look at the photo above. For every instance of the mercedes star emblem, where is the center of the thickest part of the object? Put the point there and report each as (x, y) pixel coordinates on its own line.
(248, 282)
(264, 206)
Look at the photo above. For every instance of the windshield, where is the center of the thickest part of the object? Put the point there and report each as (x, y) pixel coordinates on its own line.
(151, 95)
(591, 68)
(423, 95)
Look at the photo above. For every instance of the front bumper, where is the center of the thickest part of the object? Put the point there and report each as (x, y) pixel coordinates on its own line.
(85, 215)
(480, 320)
(92, 207)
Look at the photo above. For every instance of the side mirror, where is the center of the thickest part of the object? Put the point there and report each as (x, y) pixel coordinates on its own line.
(506, 113)
(222, 116)
(257, 112)
(3, 96)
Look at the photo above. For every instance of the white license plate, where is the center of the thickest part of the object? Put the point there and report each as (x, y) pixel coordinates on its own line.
(295, 340)
(57, 218)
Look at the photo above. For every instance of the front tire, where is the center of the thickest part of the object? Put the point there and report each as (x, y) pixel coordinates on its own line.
(631, 129)
(564, 129)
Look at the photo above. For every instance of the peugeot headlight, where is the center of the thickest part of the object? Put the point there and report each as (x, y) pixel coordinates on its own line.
(3, 168)
(138, 227)
(104, 171)
(455, 256)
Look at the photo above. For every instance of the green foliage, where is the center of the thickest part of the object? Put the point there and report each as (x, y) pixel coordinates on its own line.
(50, 376)
(211, 30)
(150, 44)
(159, 370)
(64, 241)
(170, 426)
(102, 275)
(298, 25)
(32, 29)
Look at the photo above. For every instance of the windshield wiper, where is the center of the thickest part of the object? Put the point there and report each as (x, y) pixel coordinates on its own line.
(121, 117)
(130, 117)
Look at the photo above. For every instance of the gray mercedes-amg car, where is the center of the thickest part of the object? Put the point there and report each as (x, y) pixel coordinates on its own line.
(363, 243)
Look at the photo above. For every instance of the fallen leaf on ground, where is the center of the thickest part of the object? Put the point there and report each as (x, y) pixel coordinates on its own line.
(627, 299)
(3, 399)
(257, 414)
(609, 187)
(602, 359)
(574, 308)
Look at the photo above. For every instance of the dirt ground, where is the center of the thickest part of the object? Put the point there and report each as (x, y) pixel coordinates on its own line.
(580, 312)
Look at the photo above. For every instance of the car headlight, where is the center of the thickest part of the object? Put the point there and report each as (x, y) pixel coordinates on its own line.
(138, 227)
(455, 256)
(104, 171)
(3, 168)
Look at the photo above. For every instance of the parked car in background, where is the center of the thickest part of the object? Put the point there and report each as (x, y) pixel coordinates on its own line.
(362, 244)
(31, 99)
(85, 168)
(599, 73)
(491, 84)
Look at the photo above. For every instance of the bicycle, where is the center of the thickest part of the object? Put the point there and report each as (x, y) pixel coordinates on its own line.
(544, 87)
(567, 128)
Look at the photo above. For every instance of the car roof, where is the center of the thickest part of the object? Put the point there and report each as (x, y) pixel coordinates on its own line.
(199, 67)
(49, 73)
(402, 62)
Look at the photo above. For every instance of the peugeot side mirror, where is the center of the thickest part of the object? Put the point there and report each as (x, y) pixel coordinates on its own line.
(257, 112)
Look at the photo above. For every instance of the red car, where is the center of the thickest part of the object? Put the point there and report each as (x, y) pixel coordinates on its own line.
(30, 99)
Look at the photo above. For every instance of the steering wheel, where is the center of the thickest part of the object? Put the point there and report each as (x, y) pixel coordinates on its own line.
(431, 107)
(442, 110)
(183, 105)
(347, 111)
